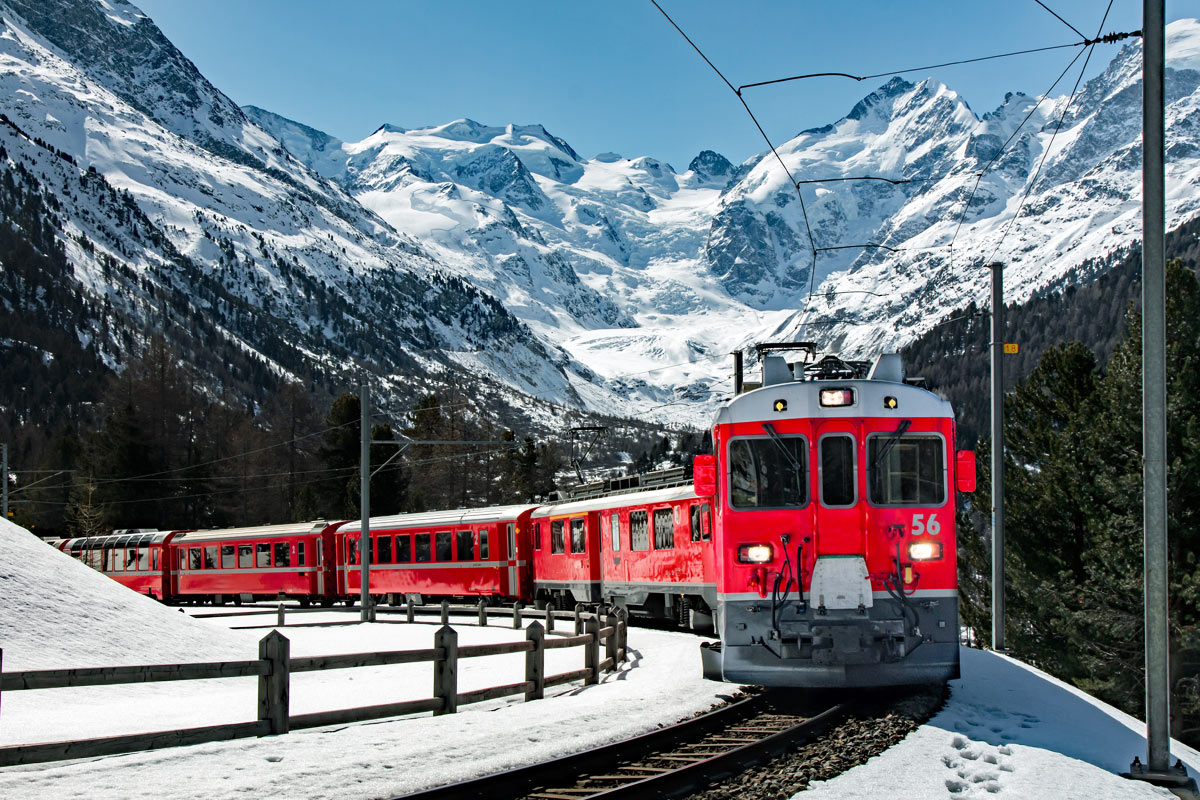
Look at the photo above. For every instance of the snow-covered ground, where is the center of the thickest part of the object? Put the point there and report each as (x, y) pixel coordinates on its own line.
(1007, 729)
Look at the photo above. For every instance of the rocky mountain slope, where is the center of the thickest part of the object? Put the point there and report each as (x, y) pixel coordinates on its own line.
(175, 212)
(500, 254)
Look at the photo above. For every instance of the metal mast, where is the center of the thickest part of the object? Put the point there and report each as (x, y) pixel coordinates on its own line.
(1154, 384)
(997, 350)
(364, 498)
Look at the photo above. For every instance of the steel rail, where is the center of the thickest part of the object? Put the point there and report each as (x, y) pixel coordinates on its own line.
(735, 754)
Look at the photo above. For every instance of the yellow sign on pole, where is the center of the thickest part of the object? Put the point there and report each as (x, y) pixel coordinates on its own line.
(1011, 347)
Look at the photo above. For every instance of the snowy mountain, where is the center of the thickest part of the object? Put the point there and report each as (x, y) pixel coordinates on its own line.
(631, 265)
(618, 284)
(176, 211)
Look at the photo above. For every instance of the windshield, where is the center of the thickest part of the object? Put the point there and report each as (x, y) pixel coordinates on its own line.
(768, 472)
(907, 470)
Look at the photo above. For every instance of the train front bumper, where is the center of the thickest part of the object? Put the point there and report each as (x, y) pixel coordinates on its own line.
(876, 646)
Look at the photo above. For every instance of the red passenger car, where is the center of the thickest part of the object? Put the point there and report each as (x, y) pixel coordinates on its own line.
(139, 560)
(835, 500)
(260, 562)
(440, 554)
(566, 553)
(656, 555)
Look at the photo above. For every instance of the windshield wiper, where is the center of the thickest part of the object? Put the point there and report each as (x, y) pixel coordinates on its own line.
(789, 456)
(783, 448)
(887, 446)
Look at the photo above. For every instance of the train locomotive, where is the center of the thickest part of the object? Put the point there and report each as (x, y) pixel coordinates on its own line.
(835, 500)
(817, 540)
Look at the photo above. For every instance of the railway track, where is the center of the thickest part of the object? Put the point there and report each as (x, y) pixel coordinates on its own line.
(670, 762)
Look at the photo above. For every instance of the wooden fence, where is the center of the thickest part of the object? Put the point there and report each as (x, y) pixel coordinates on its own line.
(275, 665)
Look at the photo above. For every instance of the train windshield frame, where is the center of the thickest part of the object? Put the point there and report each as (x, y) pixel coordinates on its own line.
(912, 472)
(754, 464)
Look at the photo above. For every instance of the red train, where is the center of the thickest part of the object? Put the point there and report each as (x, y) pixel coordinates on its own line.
(817, 540)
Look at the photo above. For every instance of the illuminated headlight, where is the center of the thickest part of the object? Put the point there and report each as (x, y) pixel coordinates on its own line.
(925, 551)
(837, 397)
(755, 554)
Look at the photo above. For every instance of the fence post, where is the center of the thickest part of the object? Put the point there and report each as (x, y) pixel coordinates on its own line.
(279, 618)
(549, 619)
(623, 638)
(273, 688)
(578, 618)
(445, 670)
(535, 662)
(408, 609)
(610, 641)
(445, 612)
(591, 652)
(517, 615)
(482, 613)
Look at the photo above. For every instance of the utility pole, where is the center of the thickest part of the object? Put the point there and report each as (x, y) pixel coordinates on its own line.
(997, 351)
(1158, 770)
(366, 613)
(4, 474)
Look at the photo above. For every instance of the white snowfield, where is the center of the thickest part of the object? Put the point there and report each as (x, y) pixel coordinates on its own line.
(1007, 730)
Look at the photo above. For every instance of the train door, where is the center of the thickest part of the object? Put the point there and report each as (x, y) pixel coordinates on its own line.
(839, 578)
(512, 558)
(838, 529)
(614, 537)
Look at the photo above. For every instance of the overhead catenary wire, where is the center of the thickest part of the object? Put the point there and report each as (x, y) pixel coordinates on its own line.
(1049, 145)
(803, 208)
(1060, 19)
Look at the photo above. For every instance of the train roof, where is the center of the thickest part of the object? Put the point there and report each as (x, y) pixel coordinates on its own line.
(432, 519)
(252, 532)
(802, 400)
(125, 539)
(616, 501)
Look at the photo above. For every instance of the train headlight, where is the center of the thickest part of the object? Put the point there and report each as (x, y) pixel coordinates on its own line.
(837, 397)
(755, 554)
(925, 551)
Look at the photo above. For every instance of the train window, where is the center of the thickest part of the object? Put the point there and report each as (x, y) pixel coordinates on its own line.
(245, 557)
(228, 556)
(664, 529)
(423, 547)
(705, 523)
(837, 471)
(768, 472)
(443, 546)
(639, 530)
(383, 549)
(616, 533)
(404, 549)
(537, 536)
(283, 554)
(154, 560)
(483, 544)
(557, 542)
(465, 546)
(512, 540)
(695, 519)
(351, 550)
(210, 557)
(262, 554)
(578, 535)
(908, 471)
(300, 554)
(131, 555)
(194, 556)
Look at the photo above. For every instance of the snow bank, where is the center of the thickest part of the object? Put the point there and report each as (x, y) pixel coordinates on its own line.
(1009, 730)
(55, 612)
(660, 685)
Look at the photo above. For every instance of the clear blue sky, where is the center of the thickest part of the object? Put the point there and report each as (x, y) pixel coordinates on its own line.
(614, 76)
